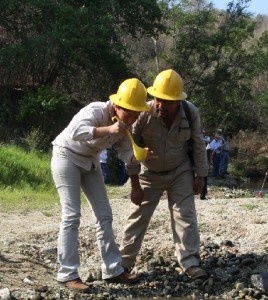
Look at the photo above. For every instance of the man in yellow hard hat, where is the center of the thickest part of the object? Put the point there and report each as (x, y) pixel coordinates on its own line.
(166, 131)
(75, 165)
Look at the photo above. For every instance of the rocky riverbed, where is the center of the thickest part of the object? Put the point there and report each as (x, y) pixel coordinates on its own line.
(233, 227)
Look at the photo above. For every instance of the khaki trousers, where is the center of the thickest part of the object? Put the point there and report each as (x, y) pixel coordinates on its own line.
(178, 184)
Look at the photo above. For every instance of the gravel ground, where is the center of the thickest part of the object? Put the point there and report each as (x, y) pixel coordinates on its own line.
(234, 246)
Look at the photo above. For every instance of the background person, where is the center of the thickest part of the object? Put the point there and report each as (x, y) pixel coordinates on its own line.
(206, 139)
(216, 147)
(221, 136)
(116, 168)
(75, 165)
(113, 168)
(123, 177)
(225, 157)
(165, 130)
(104, 167)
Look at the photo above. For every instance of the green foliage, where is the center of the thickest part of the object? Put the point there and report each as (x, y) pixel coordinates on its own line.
(118, 192)
(260, 67)
(35, 140)
(26, 183)
(253, 167)
(247, 194)
(237, 169)
(222, 62)
(209, 51)
(77, 47)
(42, 112)
(263, 102)
(22, 169)
(250, 206)
(202, 227)
(25, 199)
(86, 48)
(56, 41)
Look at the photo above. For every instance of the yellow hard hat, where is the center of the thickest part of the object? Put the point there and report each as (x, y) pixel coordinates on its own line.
(168, 85)
(131, 95)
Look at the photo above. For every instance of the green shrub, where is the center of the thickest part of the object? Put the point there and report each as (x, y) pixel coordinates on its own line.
(44, 111)
(36, 140)
(22, 169)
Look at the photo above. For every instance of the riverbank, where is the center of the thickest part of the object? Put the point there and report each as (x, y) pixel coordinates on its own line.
(234, 246)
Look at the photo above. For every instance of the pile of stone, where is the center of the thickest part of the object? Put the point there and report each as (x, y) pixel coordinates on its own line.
(231, 276)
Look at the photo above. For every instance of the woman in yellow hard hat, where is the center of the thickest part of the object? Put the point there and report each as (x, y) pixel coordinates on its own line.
(75, 165)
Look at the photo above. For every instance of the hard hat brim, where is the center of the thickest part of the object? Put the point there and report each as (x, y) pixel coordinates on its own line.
(159, 95)
(116, 100)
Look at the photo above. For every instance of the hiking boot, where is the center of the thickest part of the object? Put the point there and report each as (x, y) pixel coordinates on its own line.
(76, 285)
(196, 273)
(124, 277)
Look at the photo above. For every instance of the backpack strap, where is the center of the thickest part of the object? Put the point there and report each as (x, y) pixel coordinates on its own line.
(189, 119)
(187, 112)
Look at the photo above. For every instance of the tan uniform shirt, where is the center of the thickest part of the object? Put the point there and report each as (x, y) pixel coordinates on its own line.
(171, 146)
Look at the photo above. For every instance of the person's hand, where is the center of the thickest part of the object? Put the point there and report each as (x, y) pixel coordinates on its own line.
(150, 154)
(136, 195)
(117, 127)
(198, 185)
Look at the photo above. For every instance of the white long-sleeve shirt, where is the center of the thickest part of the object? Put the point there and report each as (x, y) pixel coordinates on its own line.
(78, 140)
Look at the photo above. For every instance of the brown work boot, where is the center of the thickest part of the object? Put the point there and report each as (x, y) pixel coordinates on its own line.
(76, 285)
(127, 270)
(123, 278)
(195, 272)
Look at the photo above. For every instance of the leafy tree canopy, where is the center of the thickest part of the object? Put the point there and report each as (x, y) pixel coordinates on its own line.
(210, 50)
(49, 41)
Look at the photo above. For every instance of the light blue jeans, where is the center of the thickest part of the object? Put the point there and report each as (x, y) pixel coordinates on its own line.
(69, 179)
(224, 161)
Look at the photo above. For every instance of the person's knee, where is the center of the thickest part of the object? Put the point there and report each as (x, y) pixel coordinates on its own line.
(71, 221)
(104, 221)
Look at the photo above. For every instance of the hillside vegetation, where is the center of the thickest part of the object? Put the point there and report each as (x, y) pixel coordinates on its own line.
(55, 57)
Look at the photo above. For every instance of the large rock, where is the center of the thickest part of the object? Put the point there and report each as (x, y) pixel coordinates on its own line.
(260, 281)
